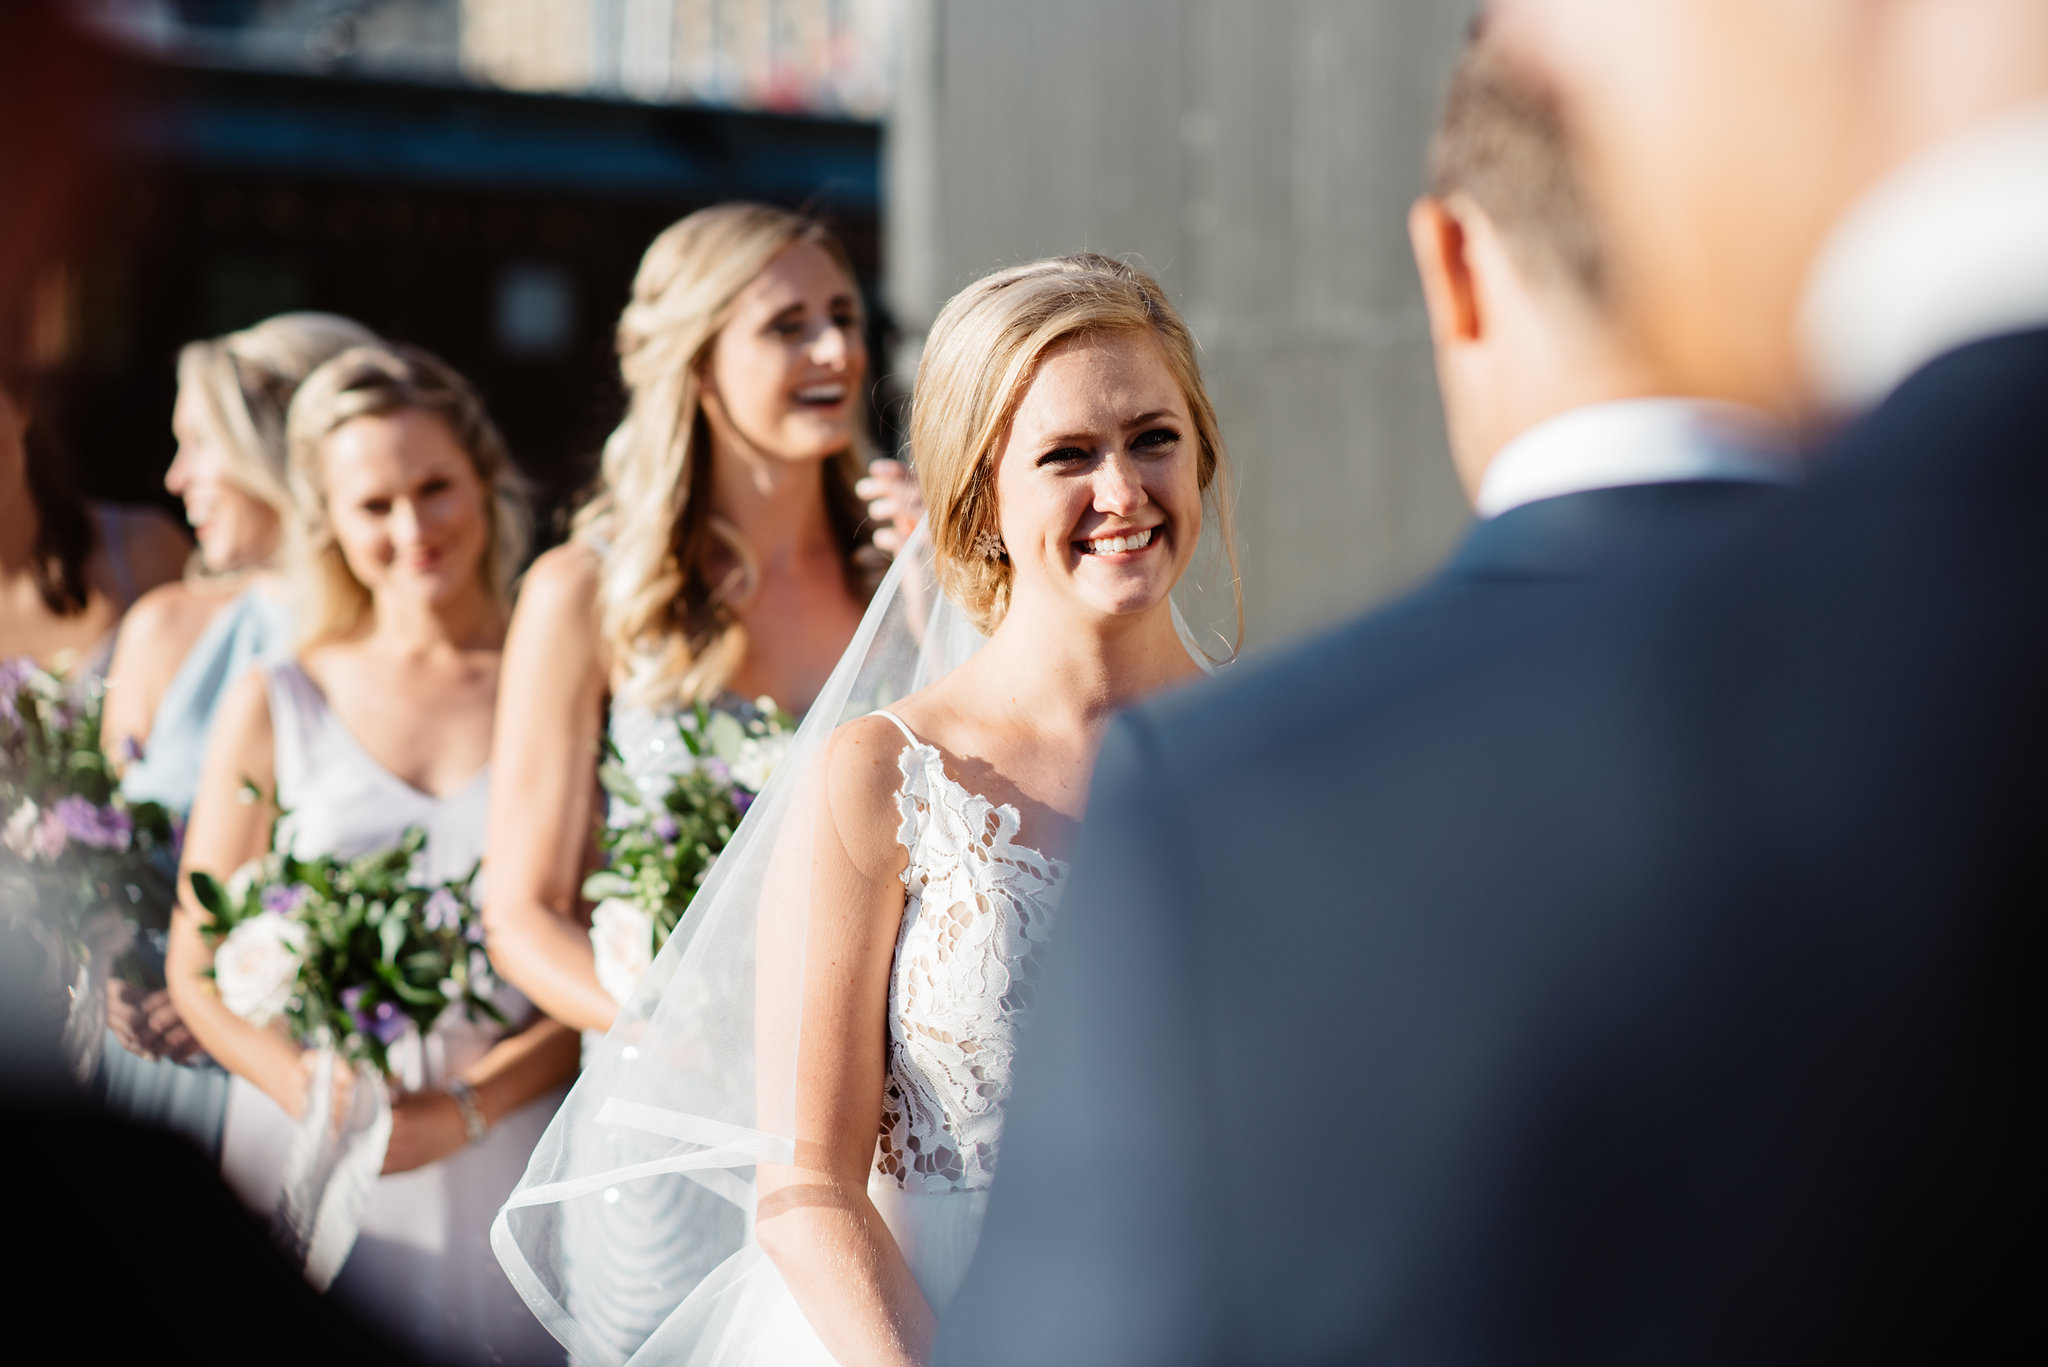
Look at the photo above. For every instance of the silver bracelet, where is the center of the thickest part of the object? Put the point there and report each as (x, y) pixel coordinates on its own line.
(464, 1096)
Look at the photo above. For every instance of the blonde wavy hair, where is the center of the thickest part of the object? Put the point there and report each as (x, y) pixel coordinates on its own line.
(666, 614)
(982, 354)
(371, 381)
(243, 384)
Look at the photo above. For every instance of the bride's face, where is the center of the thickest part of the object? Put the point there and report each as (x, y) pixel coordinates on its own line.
(1097, 487)
(408, 509)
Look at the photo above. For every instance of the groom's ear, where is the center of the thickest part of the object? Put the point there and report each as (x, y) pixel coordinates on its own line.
(1442, 258)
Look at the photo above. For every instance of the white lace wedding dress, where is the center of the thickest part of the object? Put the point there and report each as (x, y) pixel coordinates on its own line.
(978, 908)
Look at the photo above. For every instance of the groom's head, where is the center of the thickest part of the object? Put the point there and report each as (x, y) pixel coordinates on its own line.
(1513, 265)
(1721, 140)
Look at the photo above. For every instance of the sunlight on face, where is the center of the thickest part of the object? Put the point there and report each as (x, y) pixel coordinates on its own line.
(786, 371)
(407, 508)
(1719, 139)
(1097, 480)
(235, 529)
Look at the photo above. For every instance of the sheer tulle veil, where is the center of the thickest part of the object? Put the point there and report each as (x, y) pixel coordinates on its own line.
(642, 1191)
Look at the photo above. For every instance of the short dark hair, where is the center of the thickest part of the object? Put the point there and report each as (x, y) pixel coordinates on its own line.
(1505, 145)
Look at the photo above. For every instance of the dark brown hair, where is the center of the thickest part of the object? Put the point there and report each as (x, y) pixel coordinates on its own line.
(65, 535)
(1504, 144)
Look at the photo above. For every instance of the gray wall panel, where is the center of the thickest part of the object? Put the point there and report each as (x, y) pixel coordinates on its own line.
(1259, 157)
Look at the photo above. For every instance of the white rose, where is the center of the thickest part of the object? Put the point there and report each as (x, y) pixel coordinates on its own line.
(20, 835)
(622, 937)
(257, 966)
(755, 763)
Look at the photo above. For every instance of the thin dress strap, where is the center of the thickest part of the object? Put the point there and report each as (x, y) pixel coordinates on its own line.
(908, 734)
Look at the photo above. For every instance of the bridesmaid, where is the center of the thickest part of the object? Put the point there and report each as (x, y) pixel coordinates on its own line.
(411, 523)
(68, 569)
(186, 642)
(726, 556)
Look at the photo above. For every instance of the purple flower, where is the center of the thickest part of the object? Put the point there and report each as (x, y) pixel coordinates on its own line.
(720, 771)
(101, 828)
(475, 933)
(442, 912)
(285, 900)
(384, 1020)
(741, 800)
(13, 674)
(665, 828)
(131, 750)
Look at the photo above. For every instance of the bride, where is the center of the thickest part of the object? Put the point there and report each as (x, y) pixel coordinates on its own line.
(838, 1017)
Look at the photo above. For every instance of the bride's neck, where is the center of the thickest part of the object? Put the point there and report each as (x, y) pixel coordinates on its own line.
(1082, 673)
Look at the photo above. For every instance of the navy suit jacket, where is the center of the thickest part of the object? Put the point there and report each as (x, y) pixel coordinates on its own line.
(1637, 966)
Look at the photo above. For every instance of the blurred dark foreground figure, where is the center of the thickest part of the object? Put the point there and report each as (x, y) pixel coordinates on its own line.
(91, 1200)
(95, 1200)
(1657, 978)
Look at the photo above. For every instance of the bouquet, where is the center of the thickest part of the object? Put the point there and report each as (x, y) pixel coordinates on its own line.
(353, 954)
(659, 846)
(73, 852)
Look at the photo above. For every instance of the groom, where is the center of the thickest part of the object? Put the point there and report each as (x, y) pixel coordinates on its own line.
(1654, 975)
(1577, 463)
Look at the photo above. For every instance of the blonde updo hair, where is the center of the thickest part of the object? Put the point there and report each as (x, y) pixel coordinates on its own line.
(982, 354)
(243, 384)
(667, 615)
(372, 381)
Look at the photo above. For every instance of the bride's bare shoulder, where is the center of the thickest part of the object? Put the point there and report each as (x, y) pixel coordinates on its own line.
(862, 776)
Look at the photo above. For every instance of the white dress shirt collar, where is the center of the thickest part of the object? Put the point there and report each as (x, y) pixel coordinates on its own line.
(1636, 441)
(1951, 249)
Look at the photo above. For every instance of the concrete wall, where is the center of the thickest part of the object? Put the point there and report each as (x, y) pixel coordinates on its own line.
(1259, 157)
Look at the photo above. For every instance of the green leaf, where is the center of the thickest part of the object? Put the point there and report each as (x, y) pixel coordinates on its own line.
(616, 781)
(725, 735)
(416, 996)
(391, 936)
(605, 883)
(211, 895)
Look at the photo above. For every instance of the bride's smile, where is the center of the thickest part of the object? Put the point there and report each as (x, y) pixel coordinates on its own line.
(1097, 485)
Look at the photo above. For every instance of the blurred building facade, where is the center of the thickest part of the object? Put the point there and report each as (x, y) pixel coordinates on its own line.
(262, 155)
(817, 55)
(813, 56)
(1259, 157)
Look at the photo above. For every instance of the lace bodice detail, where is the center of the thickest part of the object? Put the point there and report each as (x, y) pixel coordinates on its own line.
(977, 910)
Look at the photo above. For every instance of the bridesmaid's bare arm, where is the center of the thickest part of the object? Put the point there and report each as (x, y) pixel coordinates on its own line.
(544, 792)
(224, 834)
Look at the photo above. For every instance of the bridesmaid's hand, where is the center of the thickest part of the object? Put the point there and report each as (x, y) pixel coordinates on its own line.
(148, 1024)
(894, 502)
(425, 1128)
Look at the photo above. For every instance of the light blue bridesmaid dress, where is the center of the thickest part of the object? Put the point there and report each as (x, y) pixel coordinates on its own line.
(189, 1099)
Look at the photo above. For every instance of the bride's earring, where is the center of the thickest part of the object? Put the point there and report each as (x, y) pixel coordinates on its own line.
(990, 547)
